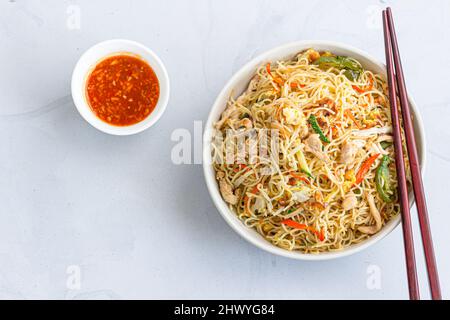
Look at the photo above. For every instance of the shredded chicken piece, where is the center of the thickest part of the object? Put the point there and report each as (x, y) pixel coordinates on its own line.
(252, 86)
(348, 152)
(350, 201)
(231, 112)
(385, 138)
(220, 175)
(368, 132)
(314, 145)
(376, 215)
(259, 204)
(303, 131)
(293, 116)
(226, 189)
(301, 196)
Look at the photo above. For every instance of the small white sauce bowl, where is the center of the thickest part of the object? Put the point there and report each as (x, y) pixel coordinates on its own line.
(236, 85)
(97, 53)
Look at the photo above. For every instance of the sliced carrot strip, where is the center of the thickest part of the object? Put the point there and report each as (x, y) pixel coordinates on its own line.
(296, 176)
(293, 224)
(277, 80)
(365, 88)
(365, 168)
(350, 115)
(295, 85)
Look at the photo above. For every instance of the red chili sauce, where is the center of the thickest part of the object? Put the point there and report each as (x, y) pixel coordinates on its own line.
(122, 90)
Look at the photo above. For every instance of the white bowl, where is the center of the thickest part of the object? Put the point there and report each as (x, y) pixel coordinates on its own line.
(108, 48)
(235, 86)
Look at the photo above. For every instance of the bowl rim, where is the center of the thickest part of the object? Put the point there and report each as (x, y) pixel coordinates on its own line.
(84, 66)
(229, 216)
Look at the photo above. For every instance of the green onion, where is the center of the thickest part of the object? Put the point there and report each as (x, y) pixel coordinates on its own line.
(303, 164)
(385, 144)
(352, 68)
(382, 182)
(316, 128)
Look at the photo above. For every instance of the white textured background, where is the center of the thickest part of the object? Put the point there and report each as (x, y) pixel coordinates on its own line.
(139, 226)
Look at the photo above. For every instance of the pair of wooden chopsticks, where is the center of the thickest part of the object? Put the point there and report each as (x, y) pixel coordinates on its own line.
(396, 84)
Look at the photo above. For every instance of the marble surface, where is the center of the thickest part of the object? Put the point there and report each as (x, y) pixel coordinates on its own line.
(85, 215)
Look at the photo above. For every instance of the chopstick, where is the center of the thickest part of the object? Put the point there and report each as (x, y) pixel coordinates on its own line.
(400, 166)
(397, 81)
